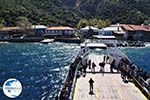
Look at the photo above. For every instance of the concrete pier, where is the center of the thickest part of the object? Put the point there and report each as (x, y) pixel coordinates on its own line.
(106, 87)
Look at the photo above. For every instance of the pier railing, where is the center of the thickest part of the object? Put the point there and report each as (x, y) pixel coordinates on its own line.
(143, 86)
(137, 79)
(67, 89)
(74, 83)
(121, 43)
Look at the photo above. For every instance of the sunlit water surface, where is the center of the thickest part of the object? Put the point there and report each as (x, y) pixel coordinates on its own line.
(40, 68)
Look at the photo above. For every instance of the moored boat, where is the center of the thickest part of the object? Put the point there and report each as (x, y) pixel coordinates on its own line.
(46, 41)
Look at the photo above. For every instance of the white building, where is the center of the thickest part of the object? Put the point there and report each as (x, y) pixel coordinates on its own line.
(113, 30)
(89, 31)
(60, 31)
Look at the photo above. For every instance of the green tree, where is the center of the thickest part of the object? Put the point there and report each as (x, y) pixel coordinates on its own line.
(24, 23)
(93, 22)
(103, 23)
(108, 22)
(65, 12)
(1, 26)
(147, 22)
(82, 23)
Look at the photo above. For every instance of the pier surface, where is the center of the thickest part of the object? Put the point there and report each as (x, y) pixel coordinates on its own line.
(106, 87)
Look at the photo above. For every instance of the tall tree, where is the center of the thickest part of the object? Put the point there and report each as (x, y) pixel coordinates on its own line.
(82, 23)
(1, 26)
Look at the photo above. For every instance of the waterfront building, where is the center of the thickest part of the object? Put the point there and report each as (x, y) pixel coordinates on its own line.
(60, 31)
(113, 30)
(137, 32)
(10, 32)
(39, 30)
(89, 31)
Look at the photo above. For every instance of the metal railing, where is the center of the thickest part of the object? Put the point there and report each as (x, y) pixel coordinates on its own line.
(69, 83)
(74, 83)
(143, 86)
(138, 80)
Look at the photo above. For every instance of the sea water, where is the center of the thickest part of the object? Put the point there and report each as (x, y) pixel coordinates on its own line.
(40, 68)
(140, 56)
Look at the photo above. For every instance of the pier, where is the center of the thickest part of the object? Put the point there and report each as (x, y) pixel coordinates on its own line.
(109, 86)
(120, 79)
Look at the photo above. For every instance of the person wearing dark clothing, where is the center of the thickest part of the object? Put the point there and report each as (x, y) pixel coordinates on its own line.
(89, 64)
(105, 59)
(84, 66)
(112, 66)
(91, 85)
(102, 65)
(93, 67)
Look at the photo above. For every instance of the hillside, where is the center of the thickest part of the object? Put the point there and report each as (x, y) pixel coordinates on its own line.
(69, 12)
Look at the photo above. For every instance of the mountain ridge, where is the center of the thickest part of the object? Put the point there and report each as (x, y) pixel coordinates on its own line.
(69, 12)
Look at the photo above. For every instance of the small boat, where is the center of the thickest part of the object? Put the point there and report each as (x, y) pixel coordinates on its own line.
(94, 45)
(4, 42)
(46, 41)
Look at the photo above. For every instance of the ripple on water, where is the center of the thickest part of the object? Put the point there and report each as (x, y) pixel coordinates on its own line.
(139, 56)
(40, 68)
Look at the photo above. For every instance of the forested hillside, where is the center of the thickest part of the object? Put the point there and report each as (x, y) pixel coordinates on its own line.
(70, 12)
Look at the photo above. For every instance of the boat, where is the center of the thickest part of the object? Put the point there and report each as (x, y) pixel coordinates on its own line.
(93, 45)
(46, 41)
(4, 42)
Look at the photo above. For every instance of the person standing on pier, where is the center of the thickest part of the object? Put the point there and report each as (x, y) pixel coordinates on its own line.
(84, 65)
(112, 66)
(93, 67)
(89, 63)
(91, 85)
(105, 59)
(102, 65)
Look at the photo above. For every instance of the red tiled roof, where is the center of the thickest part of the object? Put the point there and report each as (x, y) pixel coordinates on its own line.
(127, 27)
(136, 28)
(60, 28)
(147, 28)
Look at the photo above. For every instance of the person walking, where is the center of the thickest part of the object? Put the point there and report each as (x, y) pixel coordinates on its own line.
(91, 85)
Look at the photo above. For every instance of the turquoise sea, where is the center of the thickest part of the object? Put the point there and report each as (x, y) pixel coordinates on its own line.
(42, 68)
